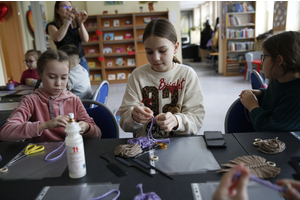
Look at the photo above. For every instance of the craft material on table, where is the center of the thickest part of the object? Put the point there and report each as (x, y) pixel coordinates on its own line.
(257, 165)
(128, 164)
(79, 192)
(255, 191)
(269, 146)
(35, 166)
(148, 166)
(113, 167)
(185, 155)
(29, 150)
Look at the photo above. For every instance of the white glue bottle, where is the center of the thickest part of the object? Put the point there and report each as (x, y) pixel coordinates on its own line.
(75, 149)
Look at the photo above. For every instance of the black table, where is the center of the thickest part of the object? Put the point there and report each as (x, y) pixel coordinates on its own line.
(97, 172)
(281, 159)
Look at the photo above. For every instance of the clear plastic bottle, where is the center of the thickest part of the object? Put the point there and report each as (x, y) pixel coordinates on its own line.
(75, 149)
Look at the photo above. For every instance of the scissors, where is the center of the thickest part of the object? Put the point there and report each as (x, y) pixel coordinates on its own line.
(30, 149)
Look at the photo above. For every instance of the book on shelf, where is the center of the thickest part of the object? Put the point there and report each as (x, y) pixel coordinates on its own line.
(119, 49)
(130, 47)
(119, 37)
(131, 62)
(94, 37)
(108, 36)
(91, 51)
(91, 77)
(107, 50)
(116, 22)
(111, 77)
(109, 63)
(120, 62)
(121, 76)
(128, 35)
(92, 64)
(106, 24)
(97, 77)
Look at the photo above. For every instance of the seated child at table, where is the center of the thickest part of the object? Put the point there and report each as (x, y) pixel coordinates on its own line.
(79, 82)
(277, 108)
(30, 74)
(163, 88)
(43, 115)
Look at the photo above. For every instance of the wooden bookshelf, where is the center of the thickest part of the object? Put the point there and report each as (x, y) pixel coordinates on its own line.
(107, 51)
(238, 38)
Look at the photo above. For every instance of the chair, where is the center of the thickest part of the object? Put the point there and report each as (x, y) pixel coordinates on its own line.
(101, 93)
(257, 81)
(250, 56)
(237, 119)
(104, 119)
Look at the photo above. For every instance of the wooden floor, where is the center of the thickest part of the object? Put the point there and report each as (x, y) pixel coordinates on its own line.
(218, 92)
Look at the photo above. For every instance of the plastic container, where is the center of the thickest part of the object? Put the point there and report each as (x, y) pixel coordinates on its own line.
(75, 149)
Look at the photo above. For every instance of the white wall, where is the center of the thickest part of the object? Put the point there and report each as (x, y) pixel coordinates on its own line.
(292, 21)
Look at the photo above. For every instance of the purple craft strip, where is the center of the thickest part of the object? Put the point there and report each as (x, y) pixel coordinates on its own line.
(57, 157)
(263, 182)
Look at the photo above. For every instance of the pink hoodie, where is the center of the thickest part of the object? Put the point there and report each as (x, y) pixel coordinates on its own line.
(34, 108)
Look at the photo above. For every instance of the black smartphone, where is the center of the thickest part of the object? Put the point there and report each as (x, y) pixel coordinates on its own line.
(214, 139)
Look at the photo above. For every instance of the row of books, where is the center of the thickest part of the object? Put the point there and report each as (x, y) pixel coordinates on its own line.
(243, 33)
(240, 46)
(118, 76)
(128, 48)
(239, 7)
(111, 36)
(119, 62)
(233, 20)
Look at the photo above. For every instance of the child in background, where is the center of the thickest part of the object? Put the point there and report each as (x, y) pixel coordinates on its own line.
(163, 88)
(31, 58)
(43, 115)
(277, 108)
(79, 82)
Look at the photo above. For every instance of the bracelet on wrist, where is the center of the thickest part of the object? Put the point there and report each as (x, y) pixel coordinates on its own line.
(68, 21)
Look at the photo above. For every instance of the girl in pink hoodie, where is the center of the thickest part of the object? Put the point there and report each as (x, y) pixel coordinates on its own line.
(43, 115)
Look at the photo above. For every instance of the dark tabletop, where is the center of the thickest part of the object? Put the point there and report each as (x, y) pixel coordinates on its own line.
(281, 159)
(97, 172)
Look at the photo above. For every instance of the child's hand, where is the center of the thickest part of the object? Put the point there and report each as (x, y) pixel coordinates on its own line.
(257, 93)
(84, 127)
(249, 100)
(233, 190)
(166, 121)
(60, 121)
(28, 81)
(142, 114)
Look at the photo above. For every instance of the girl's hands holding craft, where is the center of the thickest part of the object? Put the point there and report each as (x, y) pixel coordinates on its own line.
(249, 100)
(167, 121)
(59, 121)
(142, 114)
(84, 127)
(233, 190)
